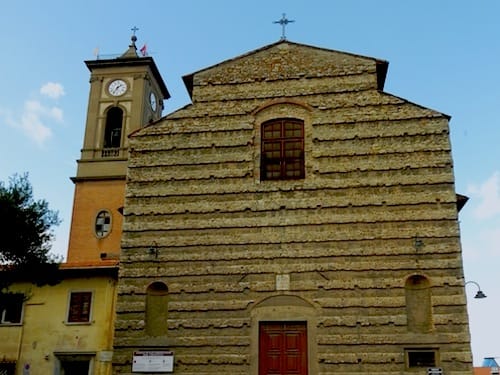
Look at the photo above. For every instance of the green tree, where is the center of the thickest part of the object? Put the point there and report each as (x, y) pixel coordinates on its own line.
(26, 231)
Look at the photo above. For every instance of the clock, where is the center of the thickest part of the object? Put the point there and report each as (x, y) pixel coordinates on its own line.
(117, 87)
(152, 101)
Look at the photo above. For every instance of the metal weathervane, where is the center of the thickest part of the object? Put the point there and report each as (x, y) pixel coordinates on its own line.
(283, 22)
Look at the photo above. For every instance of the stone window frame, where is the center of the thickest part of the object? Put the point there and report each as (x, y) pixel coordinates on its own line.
(107, 125)
(283, 109)
(275, 133)
(411, 357)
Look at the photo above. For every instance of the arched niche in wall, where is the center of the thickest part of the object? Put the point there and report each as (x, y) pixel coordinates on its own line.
(157, 309)
(418, 304)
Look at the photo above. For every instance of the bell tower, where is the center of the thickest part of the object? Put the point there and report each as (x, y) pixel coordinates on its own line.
(126, 93)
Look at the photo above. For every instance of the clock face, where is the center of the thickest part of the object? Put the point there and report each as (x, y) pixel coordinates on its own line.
(152, 101)
(117, 87)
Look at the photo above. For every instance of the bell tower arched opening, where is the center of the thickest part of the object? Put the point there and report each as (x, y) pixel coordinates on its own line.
(113, 129)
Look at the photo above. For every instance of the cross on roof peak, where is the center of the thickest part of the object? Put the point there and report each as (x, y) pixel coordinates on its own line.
(283, 22)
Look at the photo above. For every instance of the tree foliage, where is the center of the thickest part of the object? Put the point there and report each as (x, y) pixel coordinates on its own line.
(26, 229)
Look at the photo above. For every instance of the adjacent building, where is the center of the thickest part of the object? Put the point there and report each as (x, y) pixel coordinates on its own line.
(489, 367)
(67, 328)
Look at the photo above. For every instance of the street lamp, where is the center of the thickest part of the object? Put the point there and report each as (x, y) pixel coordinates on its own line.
(479, 293)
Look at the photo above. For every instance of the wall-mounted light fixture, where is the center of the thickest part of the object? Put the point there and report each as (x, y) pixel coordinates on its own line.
(479, 293)
(418, 243)
(153, 250)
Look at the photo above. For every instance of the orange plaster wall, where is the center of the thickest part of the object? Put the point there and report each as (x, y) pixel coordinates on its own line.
(90, 198)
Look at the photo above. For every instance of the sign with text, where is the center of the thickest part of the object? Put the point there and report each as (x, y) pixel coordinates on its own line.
(434, 371)
(153, 361)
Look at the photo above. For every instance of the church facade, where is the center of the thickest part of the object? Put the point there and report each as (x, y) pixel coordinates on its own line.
(293, 219)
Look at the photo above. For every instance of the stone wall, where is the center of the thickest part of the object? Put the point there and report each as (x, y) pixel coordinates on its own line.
(335, 249)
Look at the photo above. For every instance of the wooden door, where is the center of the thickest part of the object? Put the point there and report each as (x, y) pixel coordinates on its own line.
(282, 348)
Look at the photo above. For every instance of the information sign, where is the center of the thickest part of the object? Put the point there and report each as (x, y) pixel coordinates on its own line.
(153, 361)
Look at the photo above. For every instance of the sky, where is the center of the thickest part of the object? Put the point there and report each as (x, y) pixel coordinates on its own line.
(442, 55)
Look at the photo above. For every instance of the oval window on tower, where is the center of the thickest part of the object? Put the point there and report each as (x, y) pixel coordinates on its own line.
(102, 224)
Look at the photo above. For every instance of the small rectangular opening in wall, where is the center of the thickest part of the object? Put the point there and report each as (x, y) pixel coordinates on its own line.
(421, 357)
(8, 368)
(11, 308)
(74, 363)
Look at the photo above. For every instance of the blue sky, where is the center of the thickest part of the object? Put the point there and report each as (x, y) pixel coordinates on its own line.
(442, 54)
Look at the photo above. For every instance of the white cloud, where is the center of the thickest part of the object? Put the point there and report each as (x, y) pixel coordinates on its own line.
(489, 197)
(34, 119)
(52, 90)
(37, 117)
(31, 122)
(57, 114)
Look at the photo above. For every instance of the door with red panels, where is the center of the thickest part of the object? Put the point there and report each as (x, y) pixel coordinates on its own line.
(282, 348)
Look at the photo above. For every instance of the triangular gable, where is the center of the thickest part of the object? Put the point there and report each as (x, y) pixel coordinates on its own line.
(304, 60)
